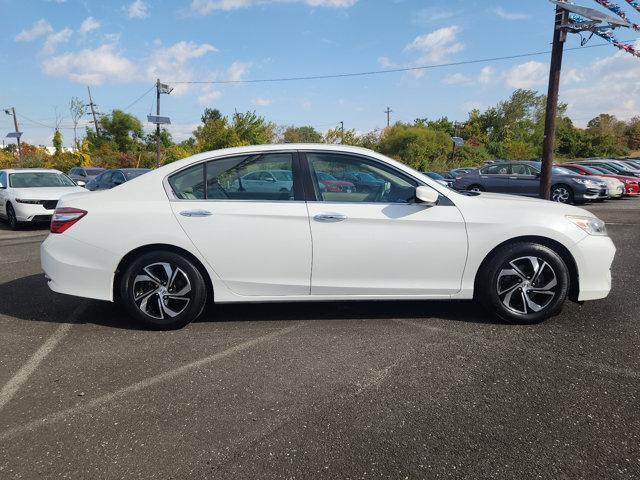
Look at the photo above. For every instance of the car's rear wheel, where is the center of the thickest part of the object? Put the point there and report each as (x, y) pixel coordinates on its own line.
(562, 194)
(523, 283)
(475, 188)
(163, 290)
(12, 220)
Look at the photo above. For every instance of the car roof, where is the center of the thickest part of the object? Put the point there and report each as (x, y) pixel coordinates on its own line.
(30, 170)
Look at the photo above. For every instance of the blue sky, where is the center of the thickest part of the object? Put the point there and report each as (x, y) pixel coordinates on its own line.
(51, 50)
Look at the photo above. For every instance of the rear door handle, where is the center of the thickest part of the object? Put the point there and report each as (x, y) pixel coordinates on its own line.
(195, 213)
(330, 217)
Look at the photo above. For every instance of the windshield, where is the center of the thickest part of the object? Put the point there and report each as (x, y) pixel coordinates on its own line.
(435, 176)
(93, 171)
(593, 170)
(562, 171)
(133, 173)
(39, 179)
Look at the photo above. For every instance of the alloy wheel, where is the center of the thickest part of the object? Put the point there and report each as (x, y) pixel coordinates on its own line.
(560, 194)
(527, 285)
(162, 290)
(11, 217)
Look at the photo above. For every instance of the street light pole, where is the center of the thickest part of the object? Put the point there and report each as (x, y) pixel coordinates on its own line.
(559, 37)
(15, 125)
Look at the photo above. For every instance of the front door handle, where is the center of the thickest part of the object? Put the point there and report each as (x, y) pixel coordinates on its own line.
(330, 217)
(195, 213)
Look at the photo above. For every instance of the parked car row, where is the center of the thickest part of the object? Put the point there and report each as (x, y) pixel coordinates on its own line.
(30, 195)
(576, 182)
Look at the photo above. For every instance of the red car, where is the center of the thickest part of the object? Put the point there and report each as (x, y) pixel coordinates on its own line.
(335, 185)
(631, 186)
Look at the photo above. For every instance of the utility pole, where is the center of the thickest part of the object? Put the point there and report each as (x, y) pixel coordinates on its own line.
(93, 112)
(157, 124)
(341, 132)
(388, 112)
(456, 131)
(17, 134)
(559, 37)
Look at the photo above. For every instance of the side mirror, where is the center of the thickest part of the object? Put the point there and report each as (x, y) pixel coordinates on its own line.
(427, 195)
(118, 181)
(80, 183)
(536, 174)
(270, 179)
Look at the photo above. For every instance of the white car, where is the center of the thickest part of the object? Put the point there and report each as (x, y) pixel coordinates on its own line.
(31, 194)
(615, 187)
(168, 241)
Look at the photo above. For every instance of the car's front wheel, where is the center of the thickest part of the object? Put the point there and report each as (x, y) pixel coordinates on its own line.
(475, 188)
(163, 290)
(523, 283)
(562, 194)
(12, 220)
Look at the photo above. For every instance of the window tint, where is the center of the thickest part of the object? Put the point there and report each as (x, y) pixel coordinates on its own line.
(3, 179)
(355, 179)
(247, 177)
(521, 169)
(189, 184)
(498, 169)
(251, 177)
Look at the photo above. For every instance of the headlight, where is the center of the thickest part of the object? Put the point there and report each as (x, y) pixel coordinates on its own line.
(591, 225)
(31, 202)
(584, 181)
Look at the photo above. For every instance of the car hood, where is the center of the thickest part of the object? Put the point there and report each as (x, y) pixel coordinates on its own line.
(45, 193)
(498, 201)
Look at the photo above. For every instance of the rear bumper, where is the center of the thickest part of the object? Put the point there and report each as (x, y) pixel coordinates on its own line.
(594, 256)
(77, 268)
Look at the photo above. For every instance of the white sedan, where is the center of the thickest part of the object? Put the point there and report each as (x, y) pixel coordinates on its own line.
(168, 241)
(31, 194)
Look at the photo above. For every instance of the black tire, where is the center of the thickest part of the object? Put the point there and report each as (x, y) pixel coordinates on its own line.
(154, 314)
(493, 284)
(12, 221)
(476, 188)
(562, 193)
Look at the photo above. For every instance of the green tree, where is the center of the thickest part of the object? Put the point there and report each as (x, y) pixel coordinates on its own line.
(252, 129)
(306, 134)
(124, 129)
(419, 147)
(57, 142)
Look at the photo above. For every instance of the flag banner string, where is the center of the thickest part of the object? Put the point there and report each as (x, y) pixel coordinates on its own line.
(608, 35)
(634, 3)
(617, 9)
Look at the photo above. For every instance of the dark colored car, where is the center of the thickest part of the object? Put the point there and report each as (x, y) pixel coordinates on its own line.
(364, 181)
(439, 178)
(613, 166)
(84, 174)
(112, 178)
(448, 176)
(523, 178)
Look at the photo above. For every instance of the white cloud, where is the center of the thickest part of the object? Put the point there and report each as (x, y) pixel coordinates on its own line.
(527, 75)
(89, 24)
(91, 66)
(432, 15)
(437, 45)
(472, 105)
(506, 15)
(54, 39)
(237, 71)
(457, 79)
(607, 85)
(486, 75)
(174, 62)
(262, 102)
(205, 7)
(138, 9)
(208, 96)
(38, 29)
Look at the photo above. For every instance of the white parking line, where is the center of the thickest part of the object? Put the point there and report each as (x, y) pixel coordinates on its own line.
(14, 384)
(99, 401)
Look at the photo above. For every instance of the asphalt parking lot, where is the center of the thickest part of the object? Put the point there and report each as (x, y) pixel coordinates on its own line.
(347, 390)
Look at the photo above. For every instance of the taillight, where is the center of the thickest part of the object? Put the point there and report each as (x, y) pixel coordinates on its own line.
(64, 217)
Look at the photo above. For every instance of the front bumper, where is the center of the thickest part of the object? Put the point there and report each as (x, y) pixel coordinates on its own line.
(77, 268)
(28, 212)
(593, 194)
(594, 256)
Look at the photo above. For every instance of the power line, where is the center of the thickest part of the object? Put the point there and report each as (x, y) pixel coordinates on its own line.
(380, 72)
(139, 98)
